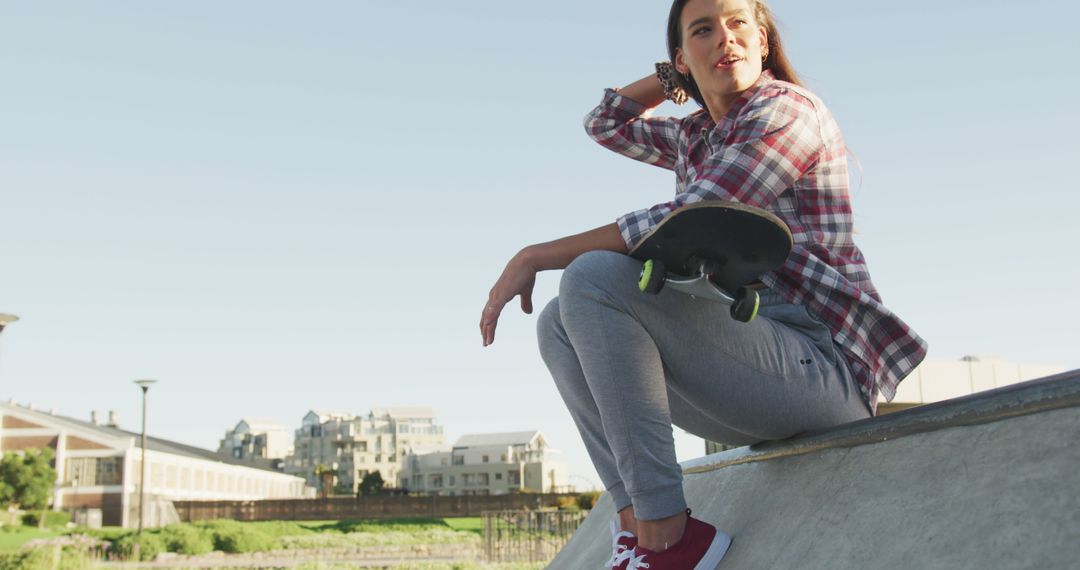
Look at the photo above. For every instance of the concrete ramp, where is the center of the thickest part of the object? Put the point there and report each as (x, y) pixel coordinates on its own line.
(990, 480)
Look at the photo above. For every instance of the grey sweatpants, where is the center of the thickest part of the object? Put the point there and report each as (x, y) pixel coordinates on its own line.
(629, 365)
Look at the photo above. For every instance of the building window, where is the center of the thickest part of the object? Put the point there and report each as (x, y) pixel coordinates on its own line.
(89, 471)
(485, 459)
(452, 481)
(498, 476)
(459, 460)
(502, 458)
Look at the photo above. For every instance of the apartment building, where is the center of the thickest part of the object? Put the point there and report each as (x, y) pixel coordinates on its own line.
(487, 464)
(99, 468)
(354, 446)
(258, 440)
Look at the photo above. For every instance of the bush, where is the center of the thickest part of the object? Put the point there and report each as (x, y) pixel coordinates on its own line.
(569, 504)
(44, 558)
(149, 546)
(52, 519)
(236, 538)
(586, 501)
(187, 539)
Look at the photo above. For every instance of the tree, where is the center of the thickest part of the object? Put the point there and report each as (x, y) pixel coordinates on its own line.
(325, 474)
(27, 479)
(372, 484)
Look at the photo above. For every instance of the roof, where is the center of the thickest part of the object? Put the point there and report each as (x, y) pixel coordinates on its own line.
(483, 439)
(326, 415)
(152, 443)
(404, 413)
(257, 425)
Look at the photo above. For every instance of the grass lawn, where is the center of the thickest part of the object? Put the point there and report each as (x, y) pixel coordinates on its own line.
(471, 524)
(14, 538)
(395, 529)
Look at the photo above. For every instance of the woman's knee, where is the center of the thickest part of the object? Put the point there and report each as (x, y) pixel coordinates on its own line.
(592, 269)
(549, 325)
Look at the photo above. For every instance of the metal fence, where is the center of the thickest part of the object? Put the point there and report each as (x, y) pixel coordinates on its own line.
(528, 536)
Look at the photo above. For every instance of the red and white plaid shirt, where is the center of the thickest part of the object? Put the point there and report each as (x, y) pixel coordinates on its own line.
(779, 149)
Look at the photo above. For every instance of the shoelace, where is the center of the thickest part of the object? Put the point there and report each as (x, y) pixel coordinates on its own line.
(637, 562)
(619, 552)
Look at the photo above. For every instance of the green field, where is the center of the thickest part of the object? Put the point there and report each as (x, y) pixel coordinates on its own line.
(298, 534)
(13, 538)
(245, 537)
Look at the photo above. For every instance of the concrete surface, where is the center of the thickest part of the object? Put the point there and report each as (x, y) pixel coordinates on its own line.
(991, 480)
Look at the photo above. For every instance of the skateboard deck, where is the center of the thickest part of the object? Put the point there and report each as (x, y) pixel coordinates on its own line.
(710, 245)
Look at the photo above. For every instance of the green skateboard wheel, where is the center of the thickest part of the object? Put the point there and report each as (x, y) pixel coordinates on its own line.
(746, 305)
(652, 276)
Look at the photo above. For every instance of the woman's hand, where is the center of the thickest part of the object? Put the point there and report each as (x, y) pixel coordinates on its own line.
(518, 278)
(520, 274)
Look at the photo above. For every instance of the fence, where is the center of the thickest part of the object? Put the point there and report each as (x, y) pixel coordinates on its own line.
(352, 508)
(528, 536)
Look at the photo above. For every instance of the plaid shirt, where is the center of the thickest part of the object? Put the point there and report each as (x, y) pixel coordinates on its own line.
(779, 149)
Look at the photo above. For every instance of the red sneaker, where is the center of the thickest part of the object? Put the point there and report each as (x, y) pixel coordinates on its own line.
(701, 547)
(622, 548)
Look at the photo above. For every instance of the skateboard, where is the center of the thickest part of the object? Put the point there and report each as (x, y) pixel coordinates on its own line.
(714, 250)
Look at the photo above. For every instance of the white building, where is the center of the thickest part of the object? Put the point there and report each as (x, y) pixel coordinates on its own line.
(99, 469)
(937, 381)
(258, 439)
(354, 446)
(487, 464)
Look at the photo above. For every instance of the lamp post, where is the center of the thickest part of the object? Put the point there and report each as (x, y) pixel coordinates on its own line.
(145, 385)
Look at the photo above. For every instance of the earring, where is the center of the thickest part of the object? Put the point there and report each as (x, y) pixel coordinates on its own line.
(764, 54)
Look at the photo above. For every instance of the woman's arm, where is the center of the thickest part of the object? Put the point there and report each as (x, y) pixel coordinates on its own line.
(519, 276)
(647, 91)
(619, 123)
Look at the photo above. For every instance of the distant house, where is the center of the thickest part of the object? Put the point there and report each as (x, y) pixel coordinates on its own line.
(353, 446)
(487, 464)
(98, 468)
(258, 439)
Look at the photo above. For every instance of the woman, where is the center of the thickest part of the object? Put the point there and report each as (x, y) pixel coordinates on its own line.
(629, 365)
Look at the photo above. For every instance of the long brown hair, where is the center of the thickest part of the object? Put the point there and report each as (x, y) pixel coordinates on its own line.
(777, 61)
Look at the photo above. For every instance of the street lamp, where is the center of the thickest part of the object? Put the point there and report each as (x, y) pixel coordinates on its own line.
(145, 385)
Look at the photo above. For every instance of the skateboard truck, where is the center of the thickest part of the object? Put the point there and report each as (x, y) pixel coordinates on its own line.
(744, 303)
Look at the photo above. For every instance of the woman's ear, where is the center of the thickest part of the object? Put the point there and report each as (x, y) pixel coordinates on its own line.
(680, 65)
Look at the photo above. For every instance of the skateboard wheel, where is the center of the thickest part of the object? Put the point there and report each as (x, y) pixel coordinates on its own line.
(652, 276)
(745, 307)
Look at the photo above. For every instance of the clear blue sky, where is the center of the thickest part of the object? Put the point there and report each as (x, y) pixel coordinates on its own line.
(273, 207)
